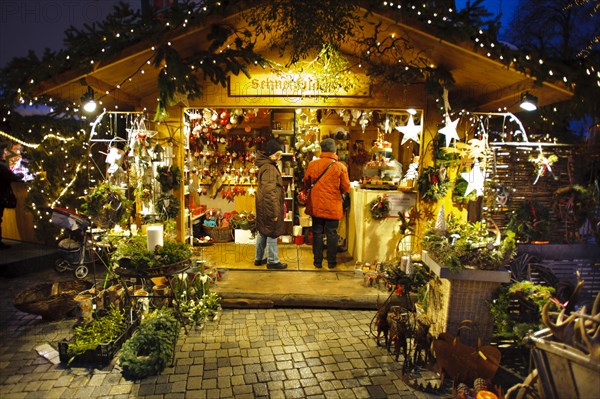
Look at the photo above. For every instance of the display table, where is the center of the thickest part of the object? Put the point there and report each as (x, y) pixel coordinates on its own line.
(372, 240)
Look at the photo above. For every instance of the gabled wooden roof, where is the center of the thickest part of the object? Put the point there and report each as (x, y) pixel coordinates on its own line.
(479, 80)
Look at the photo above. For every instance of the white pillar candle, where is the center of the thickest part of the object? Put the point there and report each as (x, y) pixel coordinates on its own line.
(155, 236)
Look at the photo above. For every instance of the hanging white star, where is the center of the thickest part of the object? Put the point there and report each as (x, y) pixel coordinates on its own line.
(450, 130)
(474, 179)
(251, 190)
(410, 131)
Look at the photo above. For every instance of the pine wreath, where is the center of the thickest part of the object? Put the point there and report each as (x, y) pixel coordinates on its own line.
(151, 348)
(380, 208)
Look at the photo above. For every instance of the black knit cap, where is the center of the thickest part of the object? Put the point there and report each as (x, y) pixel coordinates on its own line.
(272, 147)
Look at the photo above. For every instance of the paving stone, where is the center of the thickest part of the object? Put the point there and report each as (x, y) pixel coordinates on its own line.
(260, 389)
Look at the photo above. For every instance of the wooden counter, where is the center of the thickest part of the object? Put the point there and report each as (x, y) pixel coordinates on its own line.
(17, 224)
(372, 240)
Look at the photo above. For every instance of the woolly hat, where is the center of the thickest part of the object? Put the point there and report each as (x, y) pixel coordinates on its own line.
(328, 145)
(272, 147)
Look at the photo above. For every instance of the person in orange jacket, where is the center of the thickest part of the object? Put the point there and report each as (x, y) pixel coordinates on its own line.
(326, 200)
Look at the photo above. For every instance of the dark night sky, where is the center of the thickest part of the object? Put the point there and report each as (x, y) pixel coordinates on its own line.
(38, 24)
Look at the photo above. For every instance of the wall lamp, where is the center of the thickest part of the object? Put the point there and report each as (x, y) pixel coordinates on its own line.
(528, 101)
(89, 105)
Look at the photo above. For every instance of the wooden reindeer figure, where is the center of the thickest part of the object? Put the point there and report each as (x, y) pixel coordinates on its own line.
(423, 340)
(382, 323)
(399, 334)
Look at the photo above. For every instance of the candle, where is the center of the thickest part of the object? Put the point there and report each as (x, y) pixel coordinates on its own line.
(155, 236)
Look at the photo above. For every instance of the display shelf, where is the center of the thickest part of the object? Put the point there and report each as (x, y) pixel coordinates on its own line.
(281, 132)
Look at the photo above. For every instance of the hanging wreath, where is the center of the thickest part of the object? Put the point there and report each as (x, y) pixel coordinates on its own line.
(168, 206)
(380, 208)
(169, 177)
(433, 183)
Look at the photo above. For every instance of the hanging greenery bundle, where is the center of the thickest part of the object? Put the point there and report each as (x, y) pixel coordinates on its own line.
(433, 184)
(380, 208)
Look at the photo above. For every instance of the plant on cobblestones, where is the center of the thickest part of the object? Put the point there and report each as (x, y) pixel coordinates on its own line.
(151, 347)
(102, 330)
(195, 300)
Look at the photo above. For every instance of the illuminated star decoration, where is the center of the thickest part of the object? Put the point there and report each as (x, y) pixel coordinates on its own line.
(410, 131)
(474, 179)
(450, 130)
(251, 190)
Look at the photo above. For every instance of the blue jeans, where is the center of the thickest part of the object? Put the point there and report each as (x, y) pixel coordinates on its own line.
(270, 244)
(329, 226)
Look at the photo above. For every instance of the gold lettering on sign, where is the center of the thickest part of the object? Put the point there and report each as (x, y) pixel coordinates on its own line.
(296, 86)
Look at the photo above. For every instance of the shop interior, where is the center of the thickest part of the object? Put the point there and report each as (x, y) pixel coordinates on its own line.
(380, 148)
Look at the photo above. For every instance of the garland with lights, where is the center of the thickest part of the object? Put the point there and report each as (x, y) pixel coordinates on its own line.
(87, 47)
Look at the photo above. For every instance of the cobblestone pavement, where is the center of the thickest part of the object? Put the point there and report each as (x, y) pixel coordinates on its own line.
(247, 353)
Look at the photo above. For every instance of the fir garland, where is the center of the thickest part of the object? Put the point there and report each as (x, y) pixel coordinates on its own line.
(380, 208)
(151, 348)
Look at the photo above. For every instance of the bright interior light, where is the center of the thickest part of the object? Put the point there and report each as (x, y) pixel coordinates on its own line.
(528, 102)
(89, 106)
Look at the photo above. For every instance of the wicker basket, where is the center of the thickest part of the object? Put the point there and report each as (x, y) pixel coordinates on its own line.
(219, 234)
(52, 301)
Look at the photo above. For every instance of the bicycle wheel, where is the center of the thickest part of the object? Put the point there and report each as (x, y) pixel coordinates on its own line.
(61, 265)
(81, 271)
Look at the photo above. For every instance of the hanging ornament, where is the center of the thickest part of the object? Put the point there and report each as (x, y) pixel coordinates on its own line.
(475, 179)
(543, 164)
(450, 130)
(410, 131)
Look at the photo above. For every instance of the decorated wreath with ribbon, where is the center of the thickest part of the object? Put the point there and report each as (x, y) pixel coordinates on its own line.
(380, 207)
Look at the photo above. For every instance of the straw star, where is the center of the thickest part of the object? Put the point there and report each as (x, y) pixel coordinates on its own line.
(410, 131)
(474, 179)
(450, 130)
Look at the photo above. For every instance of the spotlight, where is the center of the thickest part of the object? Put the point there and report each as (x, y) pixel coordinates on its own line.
(89, 105)
(528, 101)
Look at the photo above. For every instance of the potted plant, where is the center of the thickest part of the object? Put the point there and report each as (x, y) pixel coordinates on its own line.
(133, 255)
(470, 263)
(96, 342)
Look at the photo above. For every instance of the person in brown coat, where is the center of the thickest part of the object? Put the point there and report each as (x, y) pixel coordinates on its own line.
(326, 201)
(6, 194)
(269, 206)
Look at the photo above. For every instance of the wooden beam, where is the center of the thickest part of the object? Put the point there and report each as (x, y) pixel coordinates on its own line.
(116, 93)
